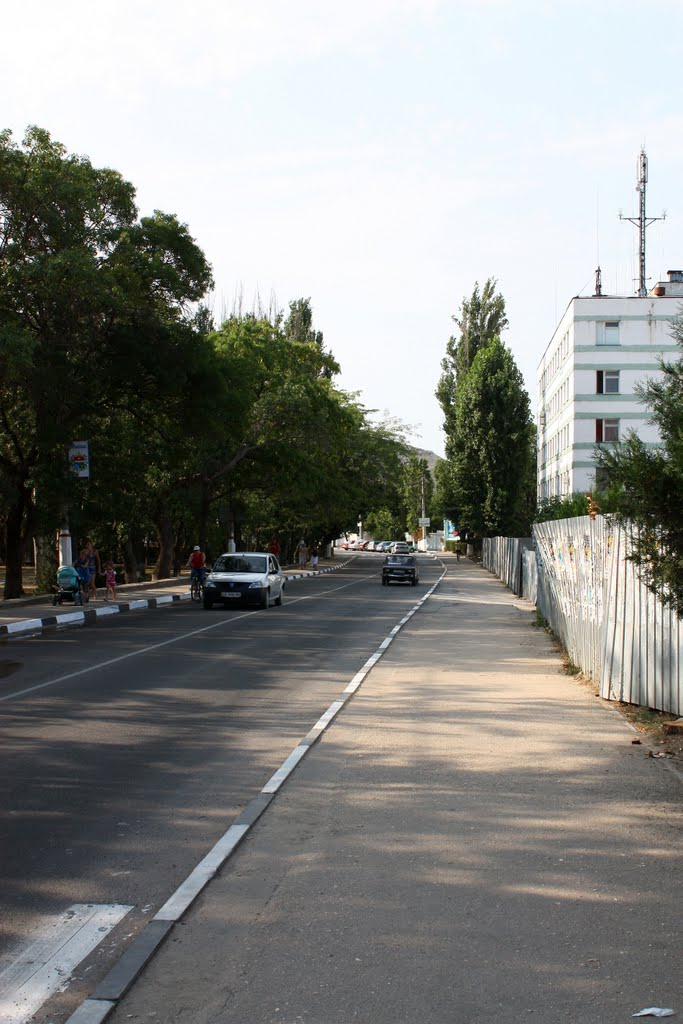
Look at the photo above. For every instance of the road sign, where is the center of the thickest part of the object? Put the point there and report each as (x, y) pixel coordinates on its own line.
(424, 521)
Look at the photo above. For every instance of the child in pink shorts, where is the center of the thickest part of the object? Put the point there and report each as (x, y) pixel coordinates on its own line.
(110, 576)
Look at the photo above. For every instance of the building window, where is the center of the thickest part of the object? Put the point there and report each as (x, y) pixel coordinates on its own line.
(607, 332)
(606, 431)
(611, 382)
(607, 382)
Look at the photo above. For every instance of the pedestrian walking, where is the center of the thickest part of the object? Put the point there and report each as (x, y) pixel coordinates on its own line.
(314, 557)
(302, 552)
(110, 577)
(274, 547)
(82, 567)
(94, 565)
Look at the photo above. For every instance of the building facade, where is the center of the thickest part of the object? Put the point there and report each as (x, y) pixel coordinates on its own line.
(603, 346)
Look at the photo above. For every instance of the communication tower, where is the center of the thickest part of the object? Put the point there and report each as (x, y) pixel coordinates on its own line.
(641, 221)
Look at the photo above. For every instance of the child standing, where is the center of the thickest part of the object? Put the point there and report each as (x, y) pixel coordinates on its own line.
(110, 576)
(82, 566)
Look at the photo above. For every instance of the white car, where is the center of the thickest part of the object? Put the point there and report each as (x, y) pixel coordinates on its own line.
(245, 577)
(400, 547)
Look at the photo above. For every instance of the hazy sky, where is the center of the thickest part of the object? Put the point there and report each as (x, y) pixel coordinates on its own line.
(377, 156)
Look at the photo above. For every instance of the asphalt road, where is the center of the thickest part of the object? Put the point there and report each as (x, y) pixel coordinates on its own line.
(127, 747)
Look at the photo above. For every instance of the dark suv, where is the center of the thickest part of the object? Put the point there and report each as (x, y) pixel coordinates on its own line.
(400, 569)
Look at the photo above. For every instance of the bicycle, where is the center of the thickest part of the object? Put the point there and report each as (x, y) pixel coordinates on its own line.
(196, 589)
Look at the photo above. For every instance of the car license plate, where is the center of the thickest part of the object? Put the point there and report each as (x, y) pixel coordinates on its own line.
(230, 593)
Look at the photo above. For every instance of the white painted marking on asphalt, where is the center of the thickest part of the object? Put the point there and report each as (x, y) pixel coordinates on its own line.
(122, 657)
(78, 616)
(44, 963)
(285, 769)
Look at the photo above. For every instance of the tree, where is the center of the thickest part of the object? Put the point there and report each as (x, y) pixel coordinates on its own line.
(87, 294)
(417, 488)
(482, 318)
(645, 484)
(492, 462)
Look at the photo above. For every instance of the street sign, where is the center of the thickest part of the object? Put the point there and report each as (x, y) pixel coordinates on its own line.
(424, 521)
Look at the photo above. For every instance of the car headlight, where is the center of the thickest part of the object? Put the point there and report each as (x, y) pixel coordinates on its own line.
(256, 585)
(210, 583)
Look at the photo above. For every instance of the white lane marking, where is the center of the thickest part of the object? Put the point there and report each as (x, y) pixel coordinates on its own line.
(43, 963)
(153, 647)
(121, 657)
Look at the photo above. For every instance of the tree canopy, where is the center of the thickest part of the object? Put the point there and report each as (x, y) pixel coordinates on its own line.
(195, 433)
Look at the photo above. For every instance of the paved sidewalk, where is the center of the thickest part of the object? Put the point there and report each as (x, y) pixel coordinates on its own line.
(473, 838)
(34, 614)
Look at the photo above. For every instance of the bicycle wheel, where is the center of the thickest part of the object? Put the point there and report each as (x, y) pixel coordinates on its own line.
(196, 590)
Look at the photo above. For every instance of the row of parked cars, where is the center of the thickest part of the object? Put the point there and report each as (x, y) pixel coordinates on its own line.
(384, 546)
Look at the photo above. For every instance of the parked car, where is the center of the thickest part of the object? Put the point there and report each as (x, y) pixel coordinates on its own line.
(400, 547)
(245, 577)
(400, 569)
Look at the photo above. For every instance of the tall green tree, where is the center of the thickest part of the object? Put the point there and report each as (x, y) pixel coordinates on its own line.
(94, 312)
(482, 318)
(645, 484)
(417, 489)
(492, 463)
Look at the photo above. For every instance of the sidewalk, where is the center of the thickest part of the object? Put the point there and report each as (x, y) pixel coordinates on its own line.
(34, 614)
(473, 838)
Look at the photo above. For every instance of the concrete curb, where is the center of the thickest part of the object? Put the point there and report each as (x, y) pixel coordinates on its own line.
(85, 617)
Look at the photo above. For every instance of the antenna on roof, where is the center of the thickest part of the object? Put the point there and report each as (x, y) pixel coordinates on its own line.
(598, 282)
(641, 220)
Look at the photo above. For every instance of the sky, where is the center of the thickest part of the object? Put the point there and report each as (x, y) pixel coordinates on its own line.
(379, 157)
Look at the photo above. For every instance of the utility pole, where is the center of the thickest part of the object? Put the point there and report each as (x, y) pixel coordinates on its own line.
(641, 221)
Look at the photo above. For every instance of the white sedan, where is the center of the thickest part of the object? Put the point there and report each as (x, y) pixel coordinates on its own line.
(245, 577)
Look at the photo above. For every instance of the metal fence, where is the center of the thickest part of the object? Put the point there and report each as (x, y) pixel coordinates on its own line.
(613, 627)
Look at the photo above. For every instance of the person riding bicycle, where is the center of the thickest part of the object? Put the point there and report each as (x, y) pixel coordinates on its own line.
(197, 565)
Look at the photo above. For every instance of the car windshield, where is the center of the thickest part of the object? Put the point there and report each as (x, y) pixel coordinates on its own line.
(400, 560)
(240, 563)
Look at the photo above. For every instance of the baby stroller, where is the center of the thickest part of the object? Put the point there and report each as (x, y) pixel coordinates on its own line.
(69, 586)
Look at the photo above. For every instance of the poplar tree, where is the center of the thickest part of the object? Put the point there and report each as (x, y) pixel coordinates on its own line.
(493, 459)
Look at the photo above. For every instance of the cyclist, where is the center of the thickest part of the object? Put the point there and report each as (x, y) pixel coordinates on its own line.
(197, 565)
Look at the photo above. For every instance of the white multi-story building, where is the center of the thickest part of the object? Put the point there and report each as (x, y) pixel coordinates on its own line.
(603, 346)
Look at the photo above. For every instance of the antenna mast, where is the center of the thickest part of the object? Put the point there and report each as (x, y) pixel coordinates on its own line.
(641, 221)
